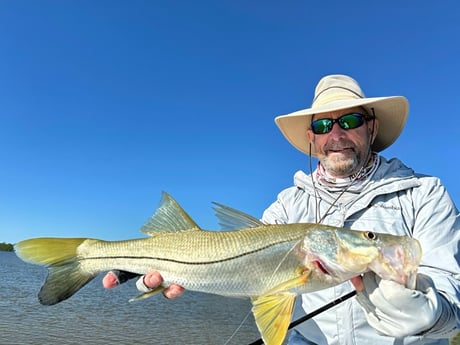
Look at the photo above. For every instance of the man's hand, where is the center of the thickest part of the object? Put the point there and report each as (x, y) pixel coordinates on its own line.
(396, 311)
(147, 282)
(116, 277)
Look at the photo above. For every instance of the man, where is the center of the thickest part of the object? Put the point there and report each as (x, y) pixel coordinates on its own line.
(354, 187)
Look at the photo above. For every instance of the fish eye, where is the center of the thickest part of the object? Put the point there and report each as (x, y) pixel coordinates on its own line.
(371, 235)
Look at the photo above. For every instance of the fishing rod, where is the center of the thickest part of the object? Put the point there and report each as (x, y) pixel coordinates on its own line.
(313, 314)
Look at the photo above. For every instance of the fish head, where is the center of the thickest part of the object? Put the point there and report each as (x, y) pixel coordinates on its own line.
(391, 257)
(343, 254)
(398, 260)
(327, 252)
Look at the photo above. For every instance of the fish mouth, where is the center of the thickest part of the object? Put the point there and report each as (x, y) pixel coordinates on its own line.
(321, 267)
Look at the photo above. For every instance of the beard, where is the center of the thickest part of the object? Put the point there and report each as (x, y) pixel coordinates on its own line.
(341, 167)
(342, 164)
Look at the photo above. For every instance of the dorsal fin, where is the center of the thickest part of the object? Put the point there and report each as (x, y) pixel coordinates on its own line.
(168, 217)
(232, 219)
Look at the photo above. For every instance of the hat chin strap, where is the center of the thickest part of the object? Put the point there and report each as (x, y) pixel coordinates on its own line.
(372, 133)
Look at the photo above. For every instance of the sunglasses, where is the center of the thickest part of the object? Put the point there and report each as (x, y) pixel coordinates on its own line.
(346, 122)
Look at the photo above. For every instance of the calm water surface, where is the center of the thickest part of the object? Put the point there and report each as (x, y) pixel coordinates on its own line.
(99, 316)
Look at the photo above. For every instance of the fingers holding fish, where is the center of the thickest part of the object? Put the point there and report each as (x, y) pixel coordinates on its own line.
(116, 277)
(391, 308)
(357, 283)
(110, 280)
(145, 283)
(153, 280)
(173, 291)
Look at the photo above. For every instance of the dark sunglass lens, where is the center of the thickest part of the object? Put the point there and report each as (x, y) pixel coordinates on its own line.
(321, 126)
(351, 121)
(347, 121)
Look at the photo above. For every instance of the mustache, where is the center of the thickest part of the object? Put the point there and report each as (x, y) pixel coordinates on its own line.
(339, 145)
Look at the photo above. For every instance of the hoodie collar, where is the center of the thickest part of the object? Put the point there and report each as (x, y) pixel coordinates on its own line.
(391, 175)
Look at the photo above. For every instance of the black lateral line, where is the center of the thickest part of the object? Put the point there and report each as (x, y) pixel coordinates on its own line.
(180, 261)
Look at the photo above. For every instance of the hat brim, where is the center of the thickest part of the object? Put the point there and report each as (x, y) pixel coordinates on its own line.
(390, 111)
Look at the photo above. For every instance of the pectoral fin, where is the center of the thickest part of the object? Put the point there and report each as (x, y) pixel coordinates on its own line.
(273, 311)
(273, 314)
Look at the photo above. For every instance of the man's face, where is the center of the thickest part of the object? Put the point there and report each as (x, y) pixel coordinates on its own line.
(343, 152)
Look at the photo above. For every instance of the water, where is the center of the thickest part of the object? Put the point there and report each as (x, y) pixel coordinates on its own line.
(99, 316)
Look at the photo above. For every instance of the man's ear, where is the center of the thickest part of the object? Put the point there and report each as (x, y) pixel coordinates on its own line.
(373, 128)
(311, 136)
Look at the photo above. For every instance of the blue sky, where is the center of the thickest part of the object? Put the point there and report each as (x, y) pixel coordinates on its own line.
(104, 104)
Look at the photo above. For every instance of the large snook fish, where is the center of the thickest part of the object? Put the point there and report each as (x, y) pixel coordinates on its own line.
(270, 264)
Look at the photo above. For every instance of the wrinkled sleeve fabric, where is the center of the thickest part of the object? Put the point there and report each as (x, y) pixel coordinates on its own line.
(290, 206)
(275, 213)
(437, 227)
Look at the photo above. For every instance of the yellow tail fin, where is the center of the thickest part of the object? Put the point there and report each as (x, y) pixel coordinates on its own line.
(455, 340)
(60, 256)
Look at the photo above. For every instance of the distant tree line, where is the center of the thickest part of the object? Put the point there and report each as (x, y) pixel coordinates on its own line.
(6, 247)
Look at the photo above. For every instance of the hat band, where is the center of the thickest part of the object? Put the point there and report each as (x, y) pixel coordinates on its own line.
(335, 96)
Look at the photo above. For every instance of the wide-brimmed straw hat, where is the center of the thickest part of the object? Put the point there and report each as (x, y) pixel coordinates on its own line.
(336, 92)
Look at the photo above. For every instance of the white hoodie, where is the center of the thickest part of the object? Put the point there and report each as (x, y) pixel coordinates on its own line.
(397, 201)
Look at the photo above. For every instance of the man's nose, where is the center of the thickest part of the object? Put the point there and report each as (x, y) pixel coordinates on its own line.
(336, 131)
